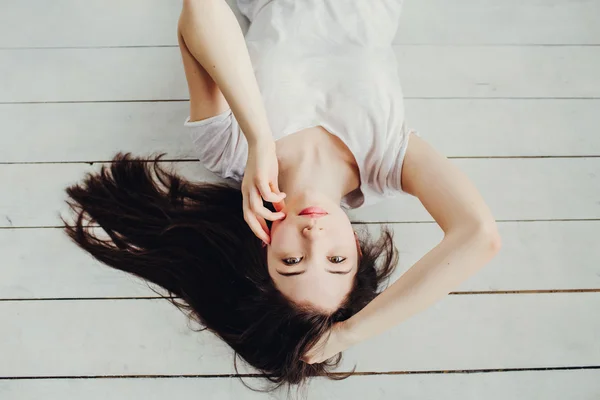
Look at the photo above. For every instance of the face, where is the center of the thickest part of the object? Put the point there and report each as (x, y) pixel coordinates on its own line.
(313, 255)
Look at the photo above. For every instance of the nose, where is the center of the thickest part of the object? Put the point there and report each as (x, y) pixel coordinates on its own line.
(311, 229)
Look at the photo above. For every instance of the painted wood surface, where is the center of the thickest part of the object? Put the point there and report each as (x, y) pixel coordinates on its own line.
(149, 337)
(155, 73)
(70, 23)
(487, 127)
(516, 189)
(530, 385)
(558, 255)
(483, 78)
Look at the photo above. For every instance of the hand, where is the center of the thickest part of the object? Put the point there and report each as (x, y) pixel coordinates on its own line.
(260, 182)
(334, 341)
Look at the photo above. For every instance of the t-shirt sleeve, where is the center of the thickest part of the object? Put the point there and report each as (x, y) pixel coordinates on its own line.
(251, 8)
(394, 181)
(220, 145)
(382, 175)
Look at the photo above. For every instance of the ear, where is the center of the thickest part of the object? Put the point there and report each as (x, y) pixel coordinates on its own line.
(358, 245)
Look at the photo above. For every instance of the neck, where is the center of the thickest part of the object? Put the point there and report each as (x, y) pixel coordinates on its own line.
(314, 162)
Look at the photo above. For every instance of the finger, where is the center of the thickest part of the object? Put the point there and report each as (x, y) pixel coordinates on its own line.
(262, 211)
(265, 228)
(264, 188)
(269, 215)
(258, 226)
(275, 188)
(280, 205)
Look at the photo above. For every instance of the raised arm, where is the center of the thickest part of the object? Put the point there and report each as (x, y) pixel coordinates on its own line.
(220, 74)
(470, 241)
(214, 38)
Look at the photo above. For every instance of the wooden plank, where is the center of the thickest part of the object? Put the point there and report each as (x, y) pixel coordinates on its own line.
(78, 338)
(93, 132)
(547, 385)
(124, 74)
(533, 257)
(109, 23)
(37, 192)
(447, 71)
(499, 22)
(68, 23)
(486, 127)
(516, 189)
(57, 269)
(95, 23)
(39, 198)
(496, 127)
(92, 74)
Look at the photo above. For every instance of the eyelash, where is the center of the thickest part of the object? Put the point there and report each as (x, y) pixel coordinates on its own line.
(287, 261)
(296, 260)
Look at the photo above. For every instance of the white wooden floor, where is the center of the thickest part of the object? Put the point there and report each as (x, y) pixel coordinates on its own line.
(509, 89)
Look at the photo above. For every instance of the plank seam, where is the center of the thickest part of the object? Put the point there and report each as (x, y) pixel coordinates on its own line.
(191, 159)
(406, 98)
(396, 45)
(465, 293)
(353, 222)
(366, 373)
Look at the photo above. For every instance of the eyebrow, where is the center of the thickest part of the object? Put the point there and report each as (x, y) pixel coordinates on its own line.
(301, 272)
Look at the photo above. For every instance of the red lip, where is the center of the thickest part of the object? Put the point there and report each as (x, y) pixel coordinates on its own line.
(314, 212)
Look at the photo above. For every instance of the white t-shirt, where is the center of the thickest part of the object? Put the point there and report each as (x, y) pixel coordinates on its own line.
(326, 63)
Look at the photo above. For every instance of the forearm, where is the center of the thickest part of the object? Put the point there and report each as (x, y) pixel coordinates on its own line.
(445, 267)
(214, 37)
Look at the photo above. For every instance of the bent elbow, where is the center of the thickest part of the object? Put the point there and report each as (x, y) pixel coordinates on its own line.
(494, 242)
(489, 237)
(482, 234)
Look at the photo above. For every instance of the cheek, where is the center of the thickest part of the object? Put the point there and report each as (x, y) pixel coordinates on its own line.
(342, 227)
(280, 233)
(276, 228)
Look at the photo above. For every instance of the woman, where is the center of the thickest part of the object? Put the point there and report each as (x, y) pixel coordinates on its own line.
(307, 113)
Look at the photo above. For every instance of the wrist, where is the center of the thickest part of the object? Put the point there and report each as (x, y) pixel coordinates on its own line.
(260, 142)
(350, 333)
(258, 132)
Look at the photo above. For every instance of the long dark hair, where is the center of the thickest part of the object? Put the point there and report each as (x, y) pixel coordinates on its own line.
(191, 239)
